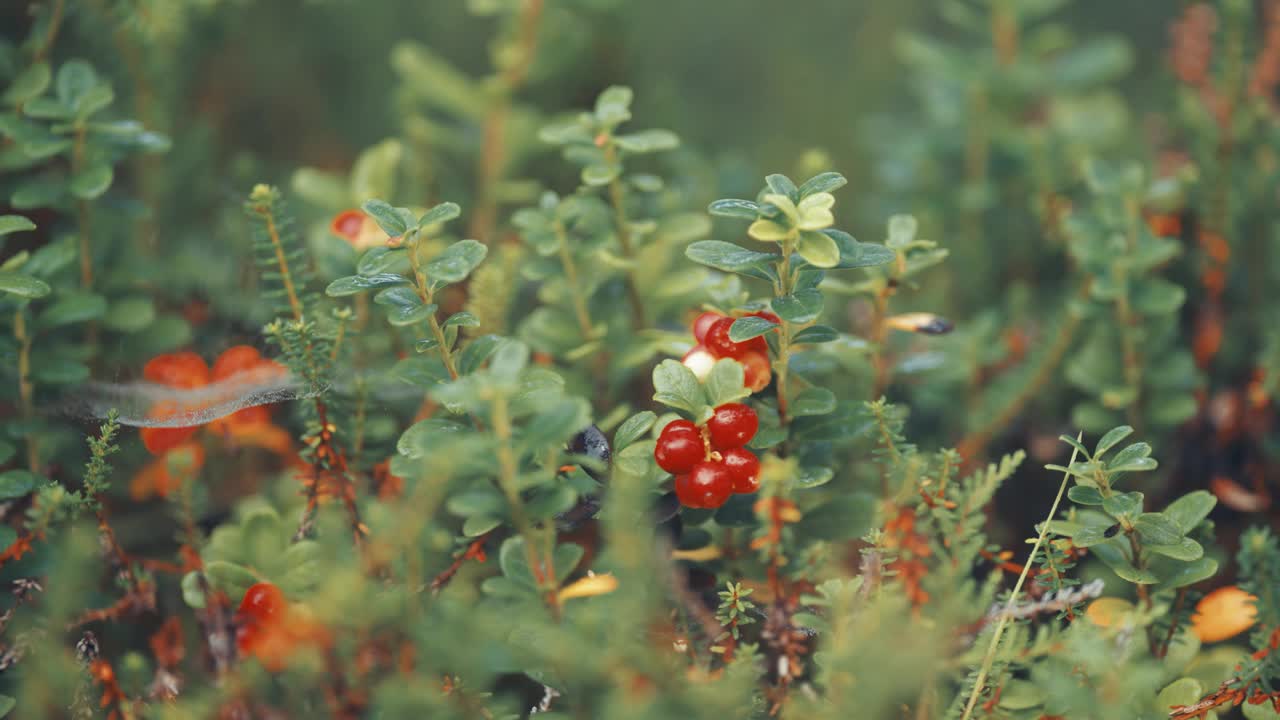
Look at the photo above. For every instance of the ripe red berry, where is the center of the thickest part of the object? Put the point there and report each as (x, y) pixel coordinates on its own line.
(756, 371)
(263, 601)
(744, 467)
(703, 323)
(732, 425)
(708, 486)
(719, 344)
(679, 447)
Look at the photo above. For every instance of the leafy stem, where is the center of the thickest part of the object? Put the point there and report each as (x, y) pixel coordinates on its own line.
(616, 199)
(571, 277)
(785, 286)
(26, 390)
(427, 295)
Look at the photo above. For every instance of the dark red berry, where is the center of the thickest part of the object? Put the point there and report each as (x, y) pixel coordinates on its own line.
(744, 467)
(732, 425)
(680, 449)
(708, 486)
(756, 371)
(719, 344)
(703, 323)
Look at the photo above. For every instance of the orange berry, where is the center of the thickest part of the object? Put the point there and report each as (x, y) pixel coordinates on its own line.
(181, 370)
(1224, 613)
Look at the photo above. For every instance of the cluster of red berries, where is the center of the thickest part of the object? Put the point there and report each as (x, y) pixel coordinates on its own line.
(711, 330)
(711, 462)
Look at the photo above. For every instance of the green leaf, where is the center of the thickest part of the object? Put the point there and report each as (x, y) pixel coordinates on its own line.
(403, 316)
(555, 423)
(801, 307)
(1183, 691)
(816, 334)
(456, 262)
(17, 483)
(61, 371)
(1189, 510)
(477, 525)
(676, 386)
(812, 401)
(597, 174)
(1084, 495)
(730, 258)
(130, 314)
(854, 254)
(1090, 535)
(476, 353)
(613, 106)
(383, 259)
(393, 221)
(818, 249)
(633, 429)
(783, 185)
(14, 223)
(508, 360)
(75, 78)
(443, 212)
(768, 231)
(729, 207)
(1189, 573)
(1134, 575)
(1126, 504)
(1156, 529)
(812, 477)
(1111, 439)
(92, 181)
(822, 183)
(514, 562)
(1186, 549)
(29, 84)
(354, 284)
(229, 577)
(24, 286)
(844, 517)
(430, 436)
(648, 141)
(462, 319)
(745, 328)
(1133, 458)
(73, 308)
(724, 383)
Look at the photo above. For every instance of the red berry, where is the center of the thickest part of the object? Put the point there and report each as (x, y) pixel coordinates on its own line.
(703, 323)
(679, 447)
(263, 601)
(347, 224)
(680, 426)
(719, 344)
(732, 425)
(708, 486)
(744, 467)
(756, 371)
